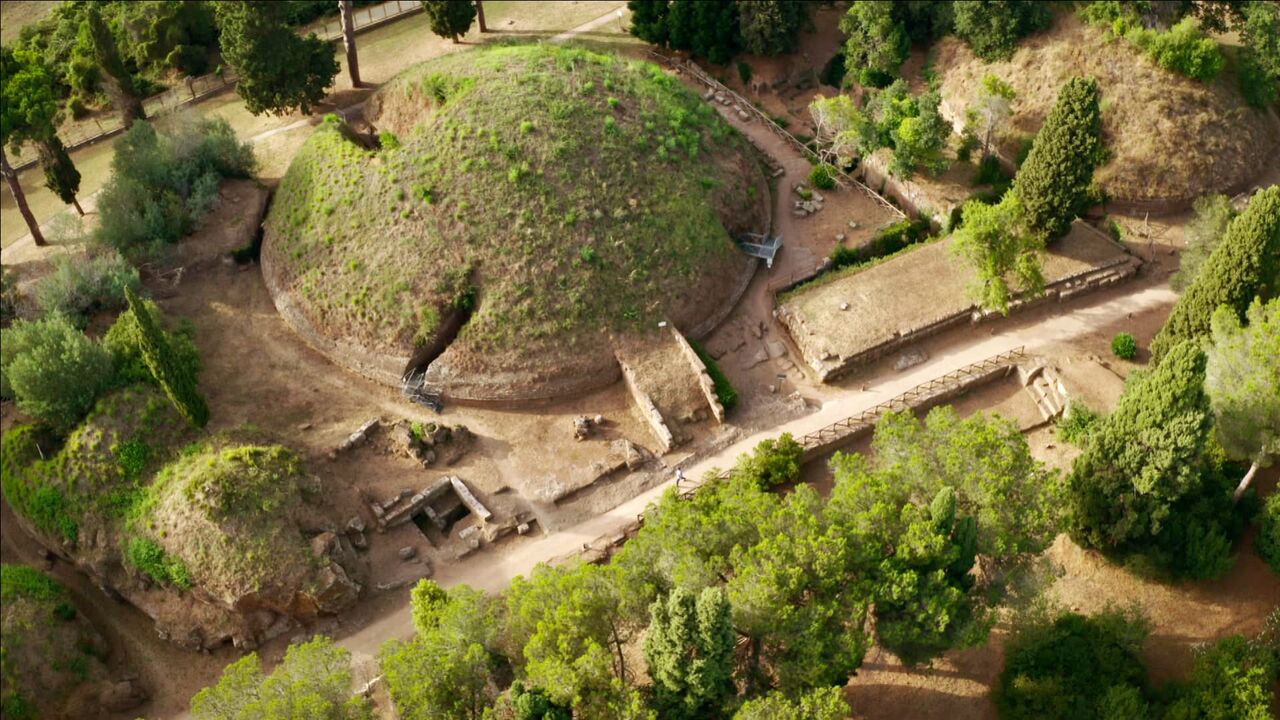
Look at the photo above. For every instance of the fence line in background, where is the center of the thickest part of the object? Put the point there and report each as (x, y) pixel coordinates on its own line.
(193, 89)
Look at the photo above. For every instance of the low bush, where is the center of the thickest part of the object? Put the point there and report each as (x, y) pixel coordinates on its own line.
(834, 71)
(1124, 346)
(45, 505)
(1268, 542)
(82, 285)
(744, 72)
(725, 393)
(771, 463)
(151, 560)
(162, 184)
(889, 240)
(1184, 49)
(823, 176)
(1256, 85)
(1076, 423)
(53, 370)
(1072, 666)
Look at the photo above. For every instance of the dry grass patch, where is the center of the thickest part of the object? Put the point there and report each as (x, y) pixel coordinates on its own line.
(1170, 137)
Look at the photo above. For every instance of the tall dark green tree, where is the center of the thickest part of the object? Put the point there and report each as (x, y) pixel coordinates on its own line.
(60, 173)
(118, 83)
(449, 18)
(649, 20)
(877, 41)
(1054, 182)
(1244, 265)
(772, 27)
(993, 27)
(175, 373)
(689, 650)
(707, 28)
(278, 70)
(1150, 481)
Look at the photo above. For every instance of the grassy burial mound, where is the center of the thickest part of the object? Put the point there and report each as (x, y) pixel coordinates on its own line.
(523, 205)
(50, 656)
(1170, 137)
(209, 538)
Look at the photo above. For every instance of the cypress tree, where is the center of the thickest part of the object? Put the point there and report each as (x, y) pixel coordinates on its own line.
(1243, 266)
(689, 648)
(124, 95)
(1054, 181)
(649, 20)
(60, 174)
(176, 377)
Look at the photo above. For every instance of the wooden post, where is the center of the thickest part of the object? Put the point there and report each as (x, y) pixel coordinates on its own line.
(20, 199)
(480, 15)
(349, 40)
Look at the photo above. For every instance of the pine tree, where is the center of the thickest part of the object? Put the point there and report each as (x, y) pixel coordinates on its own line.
(772, 27)
(649, 20)
(279, 71)
(176, 377)
(449, 18)
(1054, 182)
(1244, 265)
(877, 41)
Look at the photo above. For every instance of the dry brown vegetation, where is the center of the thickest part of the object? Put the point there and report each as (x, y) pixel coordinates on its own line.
(1170, 137)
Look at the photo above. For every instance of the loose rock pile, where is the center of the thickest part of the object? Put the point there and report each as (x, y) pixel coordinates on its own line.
(809, 203)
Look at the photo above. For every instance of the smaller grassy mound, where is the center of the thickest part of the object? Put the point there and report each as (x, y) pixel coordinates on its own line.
(98, 474)
(226, 513)
(1169, 136)
(144, 507)
(46, 651)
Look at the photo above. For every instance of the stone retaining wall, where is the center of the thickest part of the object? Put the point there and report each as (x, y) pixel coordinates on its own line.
(648, 410)
(705, 383)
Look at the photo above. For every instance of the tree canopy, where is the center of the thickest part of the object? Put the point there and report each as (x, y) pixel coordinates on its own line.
(993, 27)
(278, 71)
(314, 681)
(1242, 378)
(1054, 182)
(449, 18)
(1245, 265)
(772, 27)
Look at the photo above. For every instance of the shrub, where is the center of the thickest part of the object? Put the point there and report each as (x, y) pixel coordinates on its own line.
(771, 463)
(46, 506)
(993, 27)
(1184, 49)
(1232, 678)
(82, 285)
(744, 72)
(388, 140)
(833, 72)
(1071, 666)
(888, 241)
(151, 560)
(724, 389)
(162, 184)
(1268, 542)
(54, 371)
(1124, 346)
(1256, 85)
(823, 176)
(1076, 423)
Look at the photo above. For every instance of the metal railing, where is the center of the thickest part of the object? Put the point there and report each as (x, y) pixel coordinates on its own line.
(699, 74)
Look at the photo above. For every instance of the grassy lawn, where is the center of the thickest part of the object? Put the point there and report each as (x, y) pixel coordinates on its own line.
(384, 51)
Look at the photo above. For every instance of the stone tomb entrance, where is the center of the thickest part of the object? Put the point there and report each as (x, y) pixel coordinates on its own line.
(436, 511)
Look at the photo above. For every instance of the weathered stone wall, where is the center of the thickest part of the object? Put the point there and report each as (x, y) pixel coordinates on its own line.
(648, 410)
(705, 383)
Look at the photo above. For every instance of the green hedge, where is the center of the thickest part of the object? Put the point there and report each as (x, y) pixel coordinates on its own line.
(724, 389)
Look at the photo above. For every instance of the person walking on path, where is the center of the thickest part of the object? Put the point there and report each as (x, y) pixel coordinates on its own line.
(679, 477)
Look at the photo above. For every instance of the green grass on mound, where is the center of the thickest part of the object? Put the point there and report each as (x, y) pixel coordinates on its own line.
(573, 190)
(212, 513)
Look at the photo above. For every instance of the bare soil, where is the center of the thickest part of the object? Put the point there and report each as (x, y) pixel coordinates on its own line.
(883, 305)
(1170, 137)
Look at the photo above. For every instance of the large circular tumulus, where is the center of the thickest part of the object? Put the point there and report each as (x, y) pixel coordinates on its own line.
(523, 208)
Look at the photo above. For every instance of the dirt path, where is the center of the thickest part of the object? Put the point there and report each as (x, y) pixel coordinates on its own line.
(492, 572)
